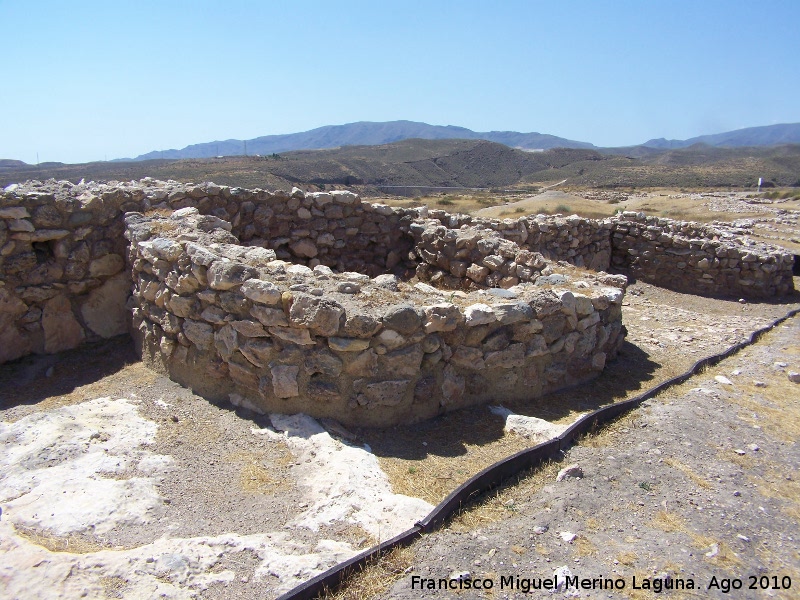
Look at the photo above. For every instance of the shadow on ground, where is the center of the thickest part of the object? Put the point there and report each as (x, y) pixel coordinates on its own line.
(26, 382)
(36, 377)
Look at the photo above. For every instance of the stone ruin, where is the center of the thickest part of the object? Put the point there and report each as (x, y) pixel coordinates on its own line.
(324, 304)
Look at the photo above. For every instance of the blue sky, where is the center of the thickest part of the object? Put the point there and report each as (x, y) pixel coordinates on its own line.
(86, 80)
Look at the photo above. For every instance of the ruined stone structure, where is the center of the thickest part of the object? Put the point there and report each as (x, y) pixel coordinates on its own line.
(62, 268)
(301, 302)
(232, 322)
(701, 259)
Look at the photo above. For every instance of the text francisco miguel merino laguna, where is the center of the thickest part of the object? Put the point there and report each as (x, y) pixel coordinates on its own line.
(556, 582)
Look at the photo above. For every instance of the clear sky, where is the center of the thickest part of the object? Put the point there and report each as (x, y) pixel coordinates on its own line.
(87, 80)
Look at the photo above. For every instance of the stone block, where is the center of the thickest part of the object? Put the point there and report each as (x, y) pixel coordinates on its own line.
(62, 331)
(199, 333)
(284, 380)
(104, 311)
(227, 275)
(383, 393)
(442, 317)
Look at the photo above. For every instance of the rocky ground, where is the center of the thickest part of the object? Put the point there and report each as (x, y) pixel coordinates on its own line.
(696, 489)
(116, 482)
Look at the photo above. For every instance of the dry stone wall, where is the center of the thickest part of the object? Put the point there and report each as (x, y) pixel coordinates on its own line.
(457, 252)
(581, 242)
(333, 228)
(298, 301)
(233, 322)
(62, 267)
(712, 260)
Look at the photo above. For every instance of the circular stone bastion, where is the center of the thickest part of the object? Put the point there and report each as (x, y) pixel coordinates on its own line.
(368, 314)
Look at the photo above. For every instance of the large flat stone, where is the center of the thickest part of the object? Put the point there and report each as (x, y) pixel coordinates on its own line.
(61, 329)
(104, 312)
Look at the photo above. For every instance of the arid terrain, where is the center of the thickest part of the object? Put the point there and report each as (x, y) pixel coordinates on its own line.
(414, 166)
(697, 489)
(118, 483)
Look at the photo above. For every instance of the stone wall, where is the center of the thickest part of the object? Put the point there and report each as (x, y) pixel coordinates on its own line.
(333, 228)
(62, 278)
(708, 260)
(232, 322)
(62, 249)
(479, 254)
(579, 241)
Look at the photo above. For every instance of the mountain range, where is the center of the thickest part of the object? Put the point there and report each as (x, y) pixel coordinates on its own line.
(363, 133)
(768, 135)
(366, 133)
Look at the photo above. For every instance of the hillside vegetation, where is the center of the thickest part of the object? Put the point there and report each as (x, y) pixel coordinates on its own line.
(451, 164)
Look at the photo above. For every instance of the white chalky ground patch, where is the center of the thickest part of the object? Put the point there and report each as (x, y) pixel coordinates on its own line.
(345, 483)
(58, 474)
(166, 568)
(56, 469)
(538, 430)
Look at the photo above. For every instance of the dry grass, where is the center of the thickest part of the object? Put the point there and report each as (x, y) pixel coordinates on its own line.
(434, 477)
(376, 578)
(71, 543)
(549, 203)
(697, 479)
(659, 202)
(356, 535)
(685, 209)
(776, 484)
(254, 476)
(159, 227)
(159, 212)
(779, 560)
(131, 377)
(627, 558)
(114, 587)
(583, 546)
(449, 458)
(645, 594)
(452, 202)
(592, 524)
(668, 522)
(191, 431)
(725, 557)
(773, 408)
(501, 503)
(610, 434)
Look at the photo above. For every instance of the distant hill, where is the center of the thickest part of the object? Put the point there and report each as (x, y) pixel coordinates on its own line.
(416, 163)
(363, 133)
(768, 135)
(8, 163)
